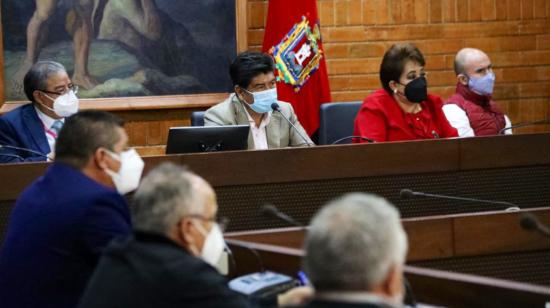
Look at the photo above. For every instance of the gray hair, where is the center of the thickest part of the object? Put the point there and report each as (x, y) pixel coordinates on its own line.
(38, 75)
(164, 196)
(353, 242)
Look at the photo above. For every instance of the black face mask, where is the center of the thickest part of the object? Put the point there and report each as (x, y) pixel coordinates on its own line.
(416, 91)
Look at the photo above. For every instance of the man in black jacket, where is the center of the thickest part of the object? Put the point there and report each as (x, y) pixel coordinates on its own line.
(355, 253)
(170, 259)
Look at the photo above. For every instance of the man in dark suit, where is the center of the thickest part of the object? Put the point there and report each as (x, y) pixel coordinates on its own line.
(170, 259)
(35, 126)
(355, 253)
(63, 220)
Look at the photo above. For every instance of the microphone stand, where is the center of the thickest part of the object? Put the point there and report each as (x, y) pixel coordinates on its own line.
(21, 149)
(407, 193)
(352, 137)
(545, 121)
(272, 211)
(276, 108)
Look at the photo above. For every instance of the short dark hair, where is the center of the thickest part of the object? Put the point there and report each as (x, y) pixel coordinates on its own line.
(394, 62)
(248, 65)
(83, 133)
(38, 75)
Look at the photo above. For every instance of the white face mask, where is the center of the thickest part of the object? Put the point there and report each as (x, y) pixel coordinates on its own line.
(128, 176)
(213, 244)
(64, 105)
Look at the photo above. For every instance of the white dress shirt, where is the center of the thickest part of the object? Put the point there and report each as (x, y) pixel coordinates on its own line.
(259, 134)
(458, 119)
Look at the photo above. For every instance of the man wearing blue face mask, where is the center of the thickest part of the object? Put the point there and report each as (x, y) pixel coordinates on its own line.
(34, 127)
(64, 219)
(255, 91)
(471, 110)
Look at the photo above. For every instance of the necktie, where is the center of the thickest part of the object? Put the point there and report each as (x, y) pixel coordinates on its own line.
(56, 127)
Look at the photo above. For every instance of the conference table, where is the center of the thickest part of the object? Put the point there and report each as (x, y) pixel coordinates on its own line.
(300, 180)
(460, 260)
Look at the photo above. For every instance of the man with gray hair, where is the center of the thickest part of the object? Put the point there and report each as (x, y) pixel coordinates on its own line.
(169, 261)
(471, 110)
(29, 132)
(355, 253)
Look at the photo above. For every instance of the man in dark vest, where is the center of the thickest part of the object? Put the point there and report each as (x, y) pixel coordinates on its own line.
(471, 110)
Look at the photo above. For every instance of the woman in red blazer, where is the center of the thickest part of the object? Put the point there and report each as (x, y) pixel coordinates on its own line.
(403, 109)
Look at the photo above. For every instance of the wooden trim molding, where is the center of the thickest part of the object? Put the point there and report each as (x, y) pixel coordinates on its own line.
(141, 102)
(241, 20)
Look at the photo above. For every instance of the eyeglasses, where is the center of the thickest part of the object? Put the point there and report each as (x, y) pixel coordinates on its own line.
(221, 221)
(72, 87)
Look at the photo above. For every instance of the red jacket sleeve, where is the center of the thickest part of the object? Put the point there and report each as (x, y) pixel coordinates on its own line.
(370, 123)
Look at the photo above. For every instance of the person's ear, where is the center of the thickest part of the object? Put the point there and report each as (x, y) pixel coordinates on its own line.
(239, 92)
(37, 95)
(393, 285)
(393, 86)
(100, 159)
(185, 235)
(462, 79)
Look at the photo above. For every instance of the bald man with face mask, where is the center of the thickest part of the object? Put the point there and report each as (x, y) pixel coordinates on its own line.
(471, 110)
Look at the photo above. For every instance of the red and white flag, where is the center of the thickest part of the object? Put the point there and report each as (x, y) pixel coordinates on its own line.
(293, 38)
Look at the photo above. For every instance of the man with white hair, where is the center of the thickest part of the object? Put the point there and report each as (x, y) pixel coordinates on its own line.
(471, 110)
(169, 261)
(355, 253)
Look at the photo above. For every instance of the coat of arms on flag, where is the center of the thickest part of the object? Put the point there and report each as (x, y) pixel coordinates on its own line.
(298, 55)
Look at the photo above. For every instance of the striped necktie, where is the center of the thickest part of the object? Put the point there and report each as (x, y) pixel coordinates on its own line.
(56, 127)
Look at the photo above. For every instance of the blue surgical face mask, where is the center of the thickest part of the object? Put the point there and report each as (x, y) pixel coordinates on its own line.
(482, 85)
(263, 100)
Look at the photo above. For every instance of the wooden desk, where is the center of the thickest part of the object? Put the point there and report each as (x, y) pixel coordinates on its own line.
(468, 244)
(299, 181)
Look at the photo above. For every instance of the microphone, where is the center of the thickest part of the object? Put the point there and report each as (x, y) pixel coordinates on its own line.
(252, 250)
(276, 107)
(435, 134)
(408, 194)
(530, 222)
(265, 283)
(352, 137)
(5, 146)
(271, 211)
(544, 121)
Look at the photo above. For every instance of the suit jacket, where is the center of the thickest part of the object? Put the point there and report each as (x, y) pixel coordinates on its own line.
(56, 232)
(22, 128)
(280, 133)
(149, 270)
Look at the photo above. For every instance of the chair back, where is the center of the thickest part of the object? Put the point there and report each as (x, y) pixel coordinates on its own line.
(197, 118)
(337, 121)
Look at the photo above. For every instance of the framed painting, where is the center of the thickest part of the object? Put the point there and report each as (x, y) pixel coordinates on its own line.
(125, 50)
